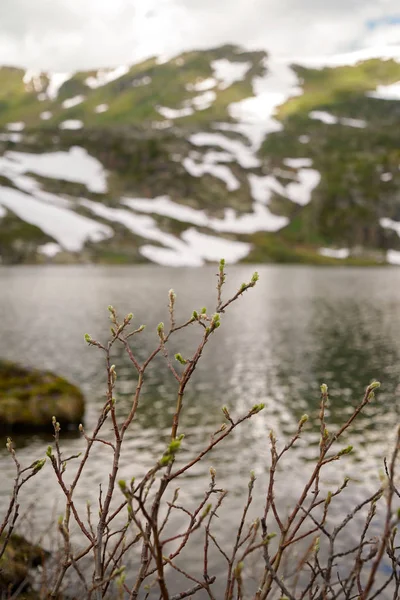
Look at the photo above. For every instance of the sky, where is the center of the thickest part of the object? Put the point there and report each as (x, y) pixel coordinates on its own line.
(70, 35)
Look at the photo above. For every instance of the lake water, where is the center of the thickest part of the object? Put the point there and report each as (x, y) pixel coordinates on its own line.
(299, 327)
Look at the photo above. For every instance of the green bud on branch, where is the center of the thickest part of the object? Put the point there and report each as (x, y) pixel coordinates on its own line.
(303, 420)
(174, 446)
(255, 278)
(226, 412)
(345, 451)
(38, 465)
(160, 330)
(324, 389)
(374, 385)
(180, 358)
(257, 408)
(316, 545)
(239, 569)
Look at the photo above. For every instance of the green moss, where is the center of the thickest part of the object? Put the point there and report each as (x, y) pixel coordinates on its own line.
(16, 564)
(29, 398)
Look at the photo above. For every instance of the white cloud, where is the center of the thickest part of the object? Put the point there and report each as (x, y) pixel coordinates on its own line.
(70, 34)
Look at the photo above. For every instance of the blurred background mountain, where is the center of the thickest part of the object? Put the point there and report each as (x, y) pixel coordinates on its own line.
(262, 135)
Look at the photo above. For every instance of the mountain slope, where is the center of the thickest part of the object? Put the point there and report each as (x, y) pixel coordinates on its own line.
(213, 153)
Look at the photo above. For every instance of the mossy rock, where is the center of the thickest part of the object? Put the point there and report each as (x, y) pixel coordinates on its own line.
(19, 558)
(29, 398)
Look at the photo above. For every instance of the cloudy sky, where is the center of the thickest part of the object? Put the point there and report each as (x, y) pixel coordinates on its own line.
(65, 35)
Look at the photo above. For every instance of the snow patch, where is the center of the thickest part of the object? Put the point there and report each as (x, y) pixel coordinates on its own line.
(174, 113)
(141, 81)
(163, 205)
(297, 163)
(70, 102)
(11, 137)
(386, 177)
(191, 250)
(162, 59)
(219, 171)
(71, 124)
(18, 126)
(50, 249)
(170, 257)
(228, 72)
(242, 153)
(300, 191)
(161, 124)
(213, 248)
(261, 219)
(330, 119)
(386, 92)
(105, 76)
(46, 115)
(263, 186)
(32, 80)
(56, 80)
(387, 223)
(393, 257)
(359, 123)
(74, 165)
(202, 86)
(334, 252)
(3, 212)
(69, 229)
(201, 102)
(350, 58)
(304, 139)
(100, 108)
(255, 115)
(204, 101)
(195, 249)
(324, 117)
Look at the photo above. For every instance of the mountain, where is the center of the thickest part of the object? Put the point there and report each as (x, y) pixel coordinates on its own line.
(217, 153)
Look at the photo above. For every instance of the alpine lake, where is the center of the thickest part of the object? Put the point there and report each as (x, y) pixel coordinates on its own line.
(298, 328)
